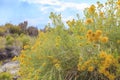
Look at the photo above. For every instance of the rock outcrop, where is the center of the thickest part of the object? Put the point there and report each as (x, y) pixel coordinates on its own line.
(9, 52)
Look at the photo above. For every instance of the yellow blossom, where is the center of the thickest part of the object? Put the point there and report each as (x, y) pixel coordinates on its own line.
(26, 46)
(98, 33)
(80, 58)
(36, 77)
(89, 32)
(44, 64)
(69, 23)
(15, 58)
(55, 61)
(106, 73)
(22, 61)
(104, 39)
(111, 77)
(118, 41)
(92, 9)
(91, 68)
(102, 54)
(22, 51)
(82, 68)
(79, 67)
(118, 3)
(80, 44)
(73, 22)
(89, 21)
(87, 43)
(57, 41)
(22, 56)
(58, 38)
(102, 70)
(56, 44)
(87, 63)
(101, 14)
(57, 65)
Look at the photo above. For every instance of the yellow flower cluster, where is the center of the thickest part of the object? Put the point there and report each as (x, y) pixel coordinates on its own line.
(38, 42)
(26, 47)
(91, 36)
(118, 41)
(85, 66)
(107, 73)
(94, 37)
(57, 66)
(91, 68)
(70, 23)
(103, 62)
(104, 39)
(21, 58)
(92, 9)
(101, 14)
(118, 3)
(89, 21)
(106, 61)
(102, 55)
(55, 61)
(57, 41)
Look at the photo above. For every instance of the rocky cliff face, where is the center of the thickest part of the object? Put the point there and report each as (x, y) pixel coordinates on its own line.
(9, 52)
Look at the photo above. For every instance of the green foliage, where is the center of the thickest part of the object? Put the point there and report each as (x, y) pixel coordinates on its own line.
(25, 39)
(5, 76)
(114, 39)
(2, 30)
(9, 40)
(2, 42)
(15, 29)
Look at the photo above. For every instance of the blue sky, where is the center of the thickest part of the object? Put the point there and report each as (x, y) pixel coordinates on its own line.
(36, 12)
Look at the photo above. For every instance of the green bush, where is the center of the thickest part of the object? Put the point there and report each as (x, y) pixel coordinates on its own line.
(2, 31)
(5, 76)
(9, 40)
(2, 42)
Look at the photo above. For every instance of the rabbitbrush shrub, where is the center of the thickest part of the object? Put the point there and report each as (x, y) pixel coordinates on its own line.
(87, 50)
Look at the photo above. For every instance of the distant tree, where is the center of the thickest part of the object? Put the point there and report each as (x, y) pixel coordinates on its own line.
(32, 31)
(23, 26)
(12, 29)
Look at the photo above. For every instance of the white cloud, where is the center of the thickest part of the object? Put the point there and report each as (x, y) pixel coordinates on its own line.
(57, 5)
(77, 6)
(44, 9)
(43, 2)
